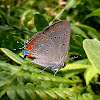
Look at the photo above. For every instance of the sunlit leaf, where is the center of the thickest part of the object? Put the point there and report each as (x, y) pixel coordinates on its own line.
(13, 56)
(74, 66)
(92, 49)
(89, 74)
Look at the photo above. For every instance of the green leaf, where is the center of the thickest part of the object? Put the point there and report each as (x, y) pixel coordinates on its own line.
(78, 39)
(85, 96)
(60, 94)
(89, 74)
(21, 91)
(30, 90)
(5, 28)
(8, 16)
(78, 30)
(51, 93)
(47, 77)
(83, 61)
(94, 13)
(41, 93)
(22, 30)
(8, 67)
(94, 32)
(13, 56)
(72, 93)
(92, 49)
(3, 18)
(74, 66)
(40, 22)
(11, 92)
(4, 78)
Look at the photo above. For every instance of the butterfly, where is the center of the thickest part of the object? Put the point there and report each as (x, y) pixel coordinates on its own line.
(49, 48)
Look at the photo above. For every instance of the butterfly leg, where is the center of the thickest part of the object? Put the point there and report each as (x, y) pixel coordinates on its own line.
(56, 72)
(43, 69)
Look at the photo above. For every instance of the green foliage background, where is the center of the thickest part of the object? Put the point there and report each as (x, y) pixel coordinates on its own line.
(20, 79)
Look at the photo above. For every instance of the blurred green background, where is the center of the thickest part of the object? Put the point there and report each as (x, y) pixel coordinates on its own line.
(79, 80)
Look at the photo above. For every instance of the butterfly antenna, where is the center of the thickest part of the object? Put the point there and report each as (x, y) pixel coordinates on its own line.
(21, 44)
(72, 58)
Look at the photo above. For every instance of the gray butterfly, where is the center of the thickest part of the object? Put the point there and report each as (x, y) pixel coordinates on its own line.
(49, 47)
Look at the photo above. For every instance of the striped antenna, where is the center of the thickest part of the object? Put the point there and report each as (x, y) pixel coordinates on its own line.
(21, 44)
(72, 58)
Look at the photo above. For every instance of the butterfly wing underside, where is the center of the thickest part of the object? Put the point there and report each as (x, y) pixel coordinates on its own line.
(51, 46)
